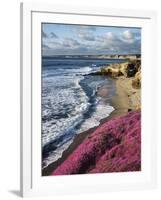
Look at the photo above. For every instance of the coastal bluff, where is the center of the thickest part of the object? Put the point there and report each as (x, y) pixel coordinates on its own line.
(112, 147)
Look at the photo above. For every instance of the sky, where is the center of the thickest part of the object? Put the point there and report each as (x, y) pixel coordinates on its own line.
(66, 39)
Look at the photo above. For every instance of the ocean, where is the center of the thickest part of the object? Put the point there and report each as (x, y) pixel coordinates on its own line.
(70, 104)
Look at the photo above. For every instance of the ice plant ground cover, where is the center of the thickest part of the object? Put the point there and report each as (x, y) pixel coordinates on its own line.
(115, 146)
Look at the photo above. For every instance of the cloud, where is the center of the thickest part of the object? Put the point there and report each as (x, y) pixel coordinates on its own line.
(108, 41)
(66, 46)
(44, 35)
(128, 36)
(110, 36)
(107, 37)
(86, 36)
(123, 43)
(45, 47)
(71, 43)
(85, 32)
(53, 35)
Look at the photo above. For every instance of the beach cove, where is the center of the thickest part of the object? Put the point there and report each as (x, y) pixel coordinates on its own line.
(114, 145)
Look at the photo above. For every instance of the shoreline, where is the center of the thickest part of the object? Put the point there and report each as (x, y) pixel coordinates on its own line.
(78, 139)
(127, 98)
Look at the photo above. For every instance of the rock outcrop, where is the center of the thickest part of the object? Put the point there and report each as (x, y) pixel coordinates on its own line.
(136, 82)
(126, 69)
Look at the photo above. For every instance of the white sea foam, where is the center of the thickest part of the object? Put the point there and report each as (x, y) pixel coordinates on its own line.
(55, 155)
(102, 111)
(63, 102)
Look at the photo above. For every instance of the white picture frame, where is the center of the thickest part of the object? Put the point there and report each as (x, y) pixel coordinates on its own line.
(32, 183)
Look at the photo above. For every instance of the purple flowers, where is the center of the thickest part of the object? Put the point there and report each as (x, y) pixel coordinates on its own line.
(115, 146)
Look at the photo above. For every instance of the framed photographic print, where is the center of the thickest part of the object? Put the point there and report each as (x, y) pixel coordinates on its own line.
(87, 100)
